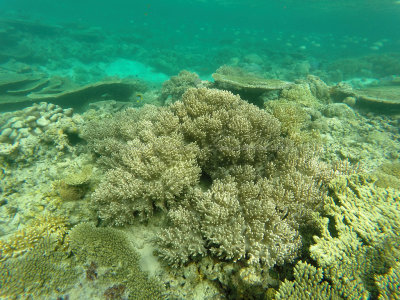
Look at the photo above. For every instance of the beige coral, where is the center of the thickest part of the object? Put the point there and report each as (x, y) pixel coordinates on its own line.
(242, 222)
(258, 185)
(177, 85)
(149, 175)
(152, 164)
(227, 129)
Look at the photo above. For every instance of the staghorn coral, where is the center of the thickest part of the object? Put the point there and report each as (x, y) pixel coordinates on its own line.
(367, 218)
(318, 88)
(388, 284)
(151, 175)
(255, 221)
(242, 223)
(292, 115)
(231, 132)
(265, 185)
(302, 93)
(227, 129)
(372, 212)
(183, 240)
(29, 236)
(308, 284)
(388, 175)
(358, 255)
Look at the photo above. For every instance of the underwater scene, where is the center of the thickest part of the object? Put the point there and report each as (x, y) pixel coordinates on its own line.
(200, 149)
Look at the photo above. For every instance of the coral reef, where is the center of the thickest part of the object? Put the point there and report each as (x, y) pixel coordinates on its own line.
(153, 166)
(44, 271)
(32, 234)
(348, 135)
(110, 250)
(357, 254)
(264, 184)
(177, 85)
(24, 131)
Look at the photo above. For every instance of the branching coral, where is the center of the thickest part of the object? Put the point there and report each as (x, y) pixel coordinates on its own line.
(388, 284)
(32, 234)
(227, 129)
(264, 184)
(152, 166)
(308, 284)
(359, 255)
(249, 220)
(177, 85)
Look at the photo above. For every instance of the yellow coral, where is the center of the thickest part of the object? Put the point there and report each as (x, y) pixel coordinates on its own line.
(300, 93)
(27, 237)
(79, 178)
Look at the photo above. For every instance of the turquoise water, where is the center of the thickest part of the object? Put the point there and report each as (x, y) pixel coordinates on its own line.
(200, 149)
(201, 36)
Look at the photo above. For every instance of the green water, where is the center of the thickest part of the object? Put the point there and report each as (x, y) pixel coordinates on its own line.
(200, 149)
(202, 35)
